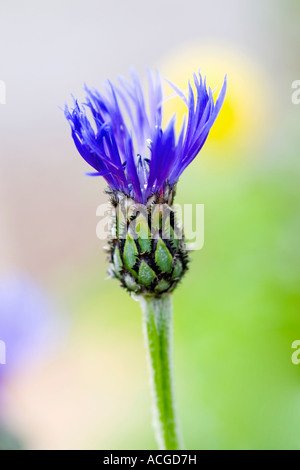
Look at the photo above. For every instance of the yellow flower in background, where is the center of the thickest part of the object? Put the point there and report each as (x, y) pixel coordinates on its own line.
(244, 120)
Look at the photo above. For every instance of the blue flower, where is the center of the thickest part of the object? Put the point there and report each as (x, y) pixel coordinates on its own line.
(29, 325)
(121, 136)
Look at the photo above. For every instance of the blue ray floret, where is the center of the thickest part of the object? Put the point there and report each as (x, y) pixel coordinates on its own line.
(120, 134)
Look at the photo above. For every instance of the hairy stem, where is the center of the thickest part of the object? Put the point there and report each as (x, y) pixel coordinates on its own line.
(158, 336)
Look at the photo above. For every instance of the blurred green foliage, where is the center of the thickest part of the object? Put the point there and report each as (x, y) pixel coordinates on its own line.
(236, 313)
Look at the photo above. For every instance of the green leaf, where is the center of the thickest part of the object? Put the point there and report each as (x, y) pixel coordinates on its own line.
(145, 245)
(162, 285)
(177, 269)
(163, 257)
(146, 274)
(143, 232)
(117, 261)
(130, 252)
(173, 238)
(133, 273)
(130, 282)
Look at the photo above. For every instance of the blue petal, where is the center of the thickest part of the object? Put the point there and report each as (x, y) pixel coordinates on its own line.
(113, 132)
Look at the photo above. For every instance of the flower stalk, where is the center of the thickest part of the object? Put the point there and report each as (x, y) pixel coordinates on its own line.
(158, 331)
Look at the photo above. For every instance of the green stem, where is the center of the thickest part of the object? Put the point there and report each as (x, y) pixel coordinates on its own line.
(158, 335)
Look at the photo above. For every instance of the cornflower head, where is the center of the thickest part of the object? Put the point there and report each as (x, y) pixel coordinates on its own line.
(121, 136)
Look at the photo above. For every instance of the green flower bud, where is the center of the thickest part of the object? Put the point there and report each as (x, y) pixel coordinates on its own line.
(147, 249)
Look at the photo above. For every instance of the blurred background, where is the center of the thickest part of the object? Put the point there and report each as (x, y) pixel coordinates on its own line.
(76, 374)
